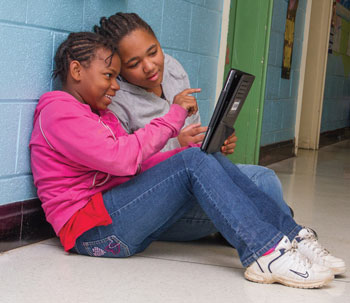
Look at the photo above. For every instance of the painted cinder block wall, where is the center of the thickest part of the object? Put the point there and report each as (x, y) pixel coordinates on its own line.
(281, 94)
(336, 100)
(31, 30)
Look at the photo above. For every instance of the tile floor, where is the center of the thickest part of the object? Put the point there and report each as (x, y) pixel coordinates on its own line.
(317, 186)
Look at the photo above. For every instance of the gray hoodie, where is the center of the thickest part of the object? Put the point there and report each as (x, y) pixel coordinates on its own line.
(135, 107)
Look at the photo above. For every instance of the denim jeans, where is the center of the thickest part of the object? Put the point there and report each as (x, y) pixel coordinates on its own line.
(145, 207)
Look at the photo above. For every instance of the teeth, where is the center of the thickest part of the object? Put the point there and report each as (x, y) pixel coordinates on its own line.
(109, 97)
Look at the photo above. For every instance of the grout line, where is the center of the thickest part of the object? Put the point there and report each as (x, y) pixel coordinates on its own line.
(190, 262)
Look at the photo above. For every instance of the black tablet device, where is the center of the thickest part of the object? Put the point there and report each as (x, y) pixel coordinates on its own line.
(231, 99)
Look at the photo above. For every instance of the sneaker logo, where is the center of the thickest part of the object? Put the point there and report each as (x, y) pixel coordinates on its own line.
(303, 275)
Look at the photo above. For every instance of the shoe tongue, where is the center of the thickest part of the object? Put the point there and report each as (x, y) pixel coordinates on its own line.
(303, 233)
(284, 244)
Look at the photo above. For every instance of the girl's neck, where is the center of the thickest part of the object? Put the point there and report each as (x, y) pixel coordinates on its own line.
(158, 91)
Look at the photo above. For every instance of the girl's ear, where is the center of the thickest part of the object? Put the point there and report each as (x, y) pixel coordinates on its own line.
(75, 70)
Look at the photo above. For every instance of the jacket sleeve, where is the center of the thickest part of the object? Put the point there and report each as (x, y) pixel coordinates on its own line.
(86, 141)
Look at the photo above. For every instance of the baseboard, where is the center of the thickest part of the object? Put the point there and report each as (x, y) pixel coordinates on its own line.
(23, 223)
(334, 136)
(276, 152)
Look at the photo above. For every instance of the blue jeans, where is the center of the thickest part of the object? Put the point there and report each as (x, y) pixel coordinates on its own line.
(145, 207)
(195, 224)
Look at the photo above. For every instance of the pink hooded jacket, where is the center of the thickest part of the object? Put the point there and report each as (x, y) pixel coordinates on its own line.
(76, 153)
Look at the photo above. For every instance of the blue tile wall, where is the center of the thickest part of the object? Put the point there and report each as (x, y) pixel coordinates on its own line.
(15, 10)
(152, 13)
(204, 39)
(176, 31)
(94, 10)
(189, 30)
(336, 102)
(281, 94)
(59, 14)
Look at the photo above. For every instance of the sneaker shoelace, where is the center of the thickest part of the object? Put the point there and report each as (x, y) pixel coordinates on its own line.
(298, 257)
(311, 242)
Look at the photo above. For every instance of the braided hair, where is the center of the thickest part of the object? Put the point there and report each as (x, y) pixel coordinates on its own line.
(82, 47)
(120, 25)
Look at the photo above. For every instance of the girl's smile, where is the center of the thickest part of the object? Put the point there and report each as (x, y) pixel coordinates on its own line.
(96, 83)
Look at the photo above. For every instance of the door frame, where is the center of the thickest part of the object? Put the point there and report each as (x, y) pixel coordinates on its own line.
(313, 74)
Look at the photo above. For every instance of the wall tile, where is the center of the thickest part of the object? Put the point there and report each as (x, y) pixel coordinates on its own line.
(272, 82)
(205, 110)
(19, 188)
(94, 10)
(58, 14)
(14, 10)
(176, 31)
(26, 127)
(279, 15)
(277, 110)
(205, 29)
(58, 38)
(214, 4)
(284, 89)
(25, 62)
(206, 81)
(273, 48)
(151, 13)
(9, 117)
(190, 62)
(198, 2)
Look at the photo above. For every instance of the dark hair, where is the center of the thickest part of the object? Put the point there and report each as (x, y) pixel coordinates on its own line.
(120, 25)
(82, 47)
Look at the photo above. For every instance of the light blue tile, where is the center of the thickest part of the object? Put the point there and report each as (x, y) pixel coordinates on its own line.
(19, 188)
(284, 89)
(151, 13)
(58, 14)
(9, 117)
(272, 82)
(205, 111)
(198, 2)
(207, 78)
(279, 49)
(289, 114)
(25, 62)
(295, 84)
(57, 40)
(214, 4)
(14, 10)
(267, 118)
(273, 49)
(279, 15)
(94, 10)
(205, 31)
(276, 115)
(296, 55)
(299, 23)
(190, 62)
(26, 127)
(176, 24)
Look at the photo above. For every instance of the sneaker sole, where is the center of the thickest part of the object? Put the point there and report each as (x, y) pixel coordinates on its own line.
(338, 270)
(285, 281)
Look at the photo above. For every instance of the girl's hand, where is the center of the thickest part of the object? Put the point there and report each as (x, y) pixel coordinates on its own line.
(188, 102)
(229, 145)
(193, 133)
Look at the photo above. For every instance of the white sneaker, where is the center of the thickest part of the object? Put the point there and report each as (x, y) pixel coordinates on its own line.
(308, 245)
(287, 266)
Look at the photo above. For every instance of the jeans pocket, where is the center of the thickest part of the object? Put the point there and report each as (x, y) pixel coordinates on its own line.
(110, 247)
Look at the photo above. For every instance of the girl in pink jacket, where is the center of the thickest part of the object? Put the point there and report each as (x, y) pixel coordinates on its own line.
(110, 194)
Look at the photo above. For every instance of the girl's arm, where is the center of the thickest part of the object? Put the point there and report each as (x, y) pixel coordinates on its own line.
(85, 141)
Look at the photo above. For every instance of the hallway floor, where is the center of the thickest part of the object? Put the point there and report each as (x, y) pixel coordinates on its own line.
(317, 187)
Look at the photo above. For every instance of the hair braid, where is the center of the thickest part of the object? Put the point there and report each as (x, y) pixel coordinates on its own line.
(120, 25)
(82, 47)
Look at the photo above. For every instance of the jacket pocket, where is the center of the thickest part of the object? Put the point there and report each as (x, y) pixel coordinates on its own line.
(110, 247)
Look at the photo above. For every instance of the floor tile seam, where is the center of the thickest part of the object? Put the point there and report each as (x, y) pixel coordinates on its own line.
(310, 175)
(191, 262)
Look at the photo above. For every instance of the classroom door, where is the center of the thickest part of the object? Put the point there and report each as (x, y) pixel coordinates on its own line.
(248, 46)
